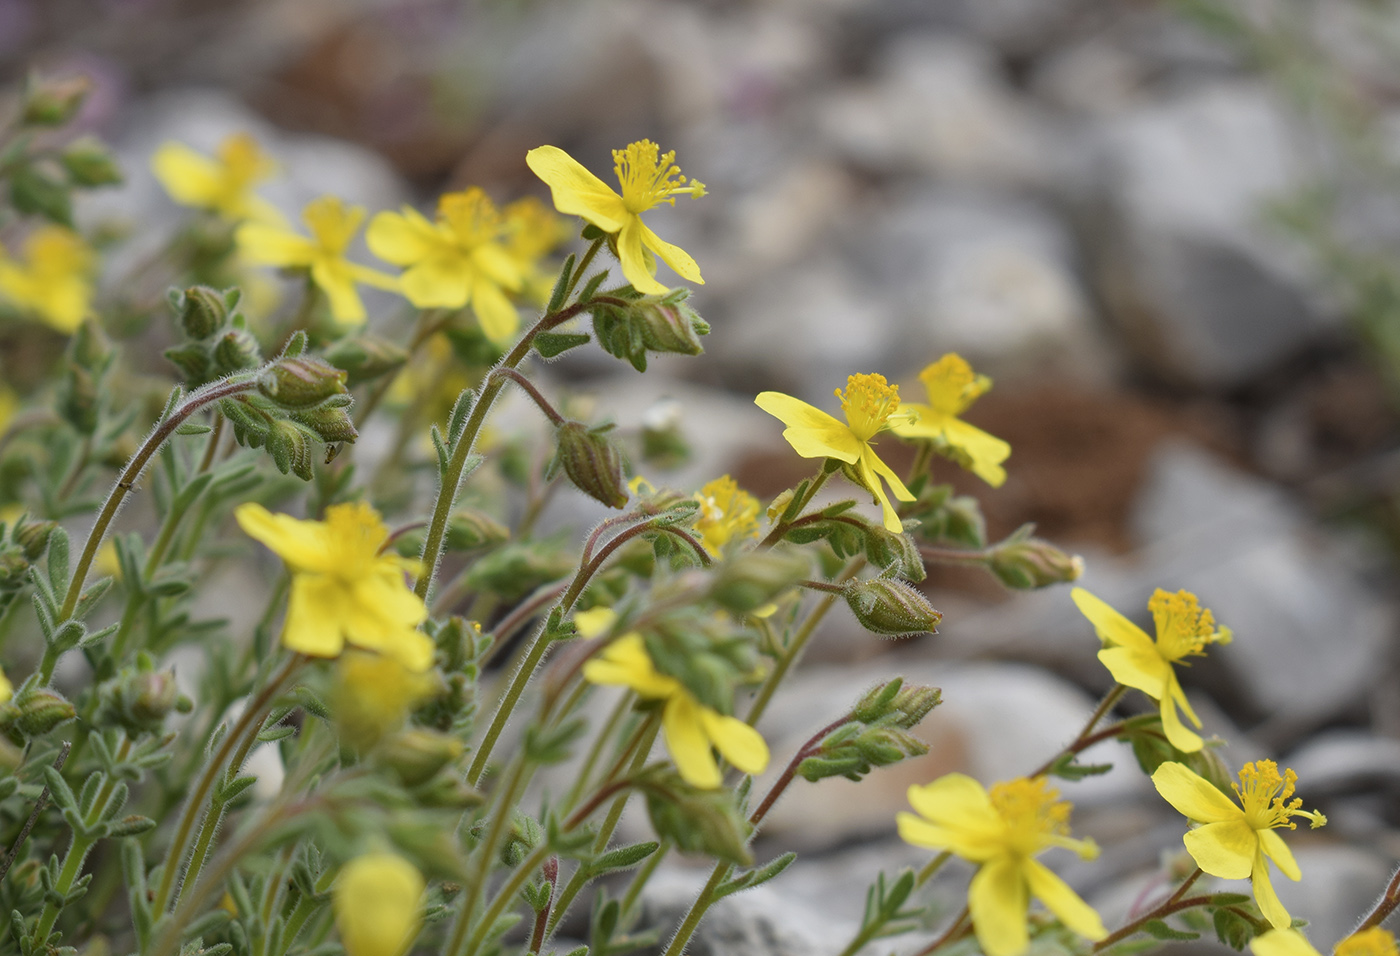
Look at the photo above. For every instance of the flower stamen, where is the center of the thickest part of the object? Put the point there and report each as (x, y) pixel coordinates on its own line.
(869, 401)
(649, 177)
(1184, 628)
(1264, 794)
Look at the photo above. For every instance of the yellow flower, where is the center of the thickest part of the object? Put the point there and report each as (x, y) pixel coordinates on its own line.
(223, 184)
(1003, 831)
(343, 589)
(869, 404)
(1290, 942)
(952, 387)
(691, 728)
(648, 179)
(1233, 843)
(52, 278)
(374, 693)
(1184, 628)
(332, 226)
(455, 261)
(376, 903)
(533, 231)
(727, 513)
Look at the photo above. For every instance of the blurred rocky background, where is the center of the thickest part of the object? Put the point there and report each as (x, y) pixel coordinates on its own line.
(1167, 230)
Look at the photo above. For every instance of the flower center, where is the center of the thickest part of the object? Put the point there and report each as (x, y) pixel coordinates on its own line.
(1033, 813)
(868, 402)
(471, 217)
(952, 385)
(244, 162)
(726, 512)
(1264, 795)
(354, 533)
(1369, 942)
(650, 178)
(1184, 628)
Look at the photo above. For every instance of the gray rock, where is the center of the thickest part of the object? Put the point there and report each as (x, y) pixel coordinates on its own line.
(1207, 290)
(1308, 629)
(1339, 886)
(1342, 761)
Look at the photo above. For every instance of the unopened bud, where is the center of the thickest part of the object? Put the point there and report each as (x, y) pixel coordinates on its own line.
(330, 420)
(469, 529)
(144, 700)
(908, 705)
(592, 462)
(90, 163)
(365, 357)
(417, 755)
(890, 607)
(1033, 563)
(751, 579)
(670, 326)
(236, 350)
(290, 448)
(14, 569)
(202, 310)
(40, 710)
(33, 536)
(301, 381)
(56, 101)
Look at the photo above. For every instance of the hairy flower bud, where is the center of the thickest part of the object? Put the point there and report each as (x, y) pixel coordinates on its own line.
(90, 163)
(14, 568)
(235, 351)
(202, 311)
(140, 700)
(39, 710)
(78, 399)
(891, 607)
(592, 462)
(1033, 563)
(751, 579)
(33, 536)
(56, 101)
(330, 420)
(417, 755)
(649, 324)
(469, 529)
(290, 448)
(365, 357)
(301, 381)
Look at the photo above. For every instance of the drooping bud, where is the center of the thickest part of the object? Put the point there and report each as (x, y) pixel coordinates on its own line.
(290, 448)
(1033, 563)
(592, 462)
(90, 162)
(54, 102)
(890, 607)
(37, 710)
(753, 578)
(330, 420)
(417, 755)
(649, 324)
(365, 357)
(301, 381)
(469, 529)
(33, 536)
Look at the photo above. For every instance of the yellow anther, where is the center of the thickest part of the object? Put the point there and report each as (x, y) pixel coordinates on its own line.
(471, 217)
(649, 177)
(1030, 807)
(1184, 628)
(868, 402)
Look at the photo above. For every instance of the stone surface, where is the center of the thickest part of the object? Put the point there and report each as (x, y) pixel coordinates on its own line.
(1340, 884)
(1207, 290)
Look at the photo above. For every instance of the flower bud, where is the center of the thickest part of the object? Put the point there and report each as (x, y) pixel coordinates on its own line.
(376, 901)
(202, 311)
(235, 351)
(670, 326)
(592, 462)
(90, 163)
(331, 421)
(1033, 563)
(33, 536)
(890, 607)
(14, 568)
(469, 529)
(140, 700)
(417, 755)
(751, 579)
(78, 399)
(290, 448)
(39, 710)
(301, 381)
(365, 357)
(54, 102)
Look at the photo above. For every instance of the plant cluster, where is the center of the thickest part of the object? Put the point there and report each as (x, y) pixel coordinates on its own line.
(402, 816)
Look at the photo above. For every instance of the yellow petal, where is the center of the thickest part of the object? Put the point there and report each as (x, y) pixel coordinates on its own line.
(499, 319)
(575, 190)
(271, 246)
(376, 902)
(373, 277)
(998, 901)
(402, 238)
(439, 282)
(633, 259)
(1282, 942)
(739, 743)
(811, 432)
(1063, 901)
(985, 452)
(1193, 796)
(1275, 849)
(919, 832)
(338, 284)
(332, 222)
(189, 178)
(1226, 850)
(595, 621)
(870, 481)
(674, 256)
(1269, 903)
(1177, 735)
(1111, 626)
(312, 626)
(1145, 671)
(491, 260)
(625, 662)
(955, 800)
(302, 544)
(688, 744)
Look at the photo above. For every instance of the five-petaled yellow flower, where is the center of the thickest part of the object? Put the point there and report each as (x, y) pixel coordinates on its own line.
(332, 225)
(952, 387)
(869, 403)
(1184, 628)
(373, 693)
(648, 178)
(344, 591)
(52, 278)
(727, 513)
(691, 728)
(1290, 942)
(376, 902)
(1233, 841)
(455, 261)
(222, 184)
(1003, 831)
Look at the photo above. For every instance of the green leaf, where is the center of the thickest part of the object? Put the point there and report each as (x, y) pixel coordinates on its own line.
(552, 344)
(755, 877)
(622, 858)
(1065, 768)
(1157, 929)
